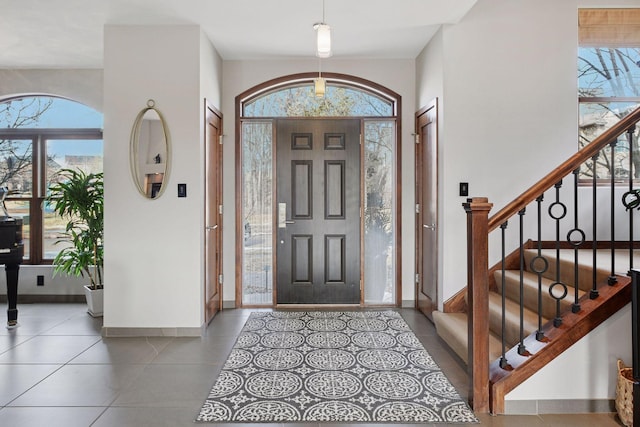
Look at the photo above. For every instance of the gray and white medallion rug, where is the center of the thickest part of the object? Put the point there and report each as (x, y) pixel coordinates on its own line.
(364, 366)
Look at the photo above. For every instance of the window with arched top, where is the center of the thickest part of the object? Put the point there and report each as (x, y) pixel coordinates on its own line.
(39, 135)
(260, 217)
(299, 100)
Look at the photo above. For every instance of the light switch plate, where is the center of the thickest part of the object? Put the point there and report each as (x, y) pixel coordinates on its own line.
(182, 190)
(464, 189)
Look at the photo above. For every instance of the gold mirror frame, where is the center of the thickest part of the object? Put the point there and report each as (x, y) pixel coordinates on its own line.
(150, 177)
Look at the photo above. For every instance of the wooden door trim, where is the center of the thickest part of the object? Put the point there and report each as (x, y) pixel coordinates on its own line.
(211, 111)
(420, 120)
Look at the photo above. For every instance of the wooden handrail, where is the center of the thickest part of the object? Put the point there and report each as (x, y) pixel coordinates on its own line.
(571, 164)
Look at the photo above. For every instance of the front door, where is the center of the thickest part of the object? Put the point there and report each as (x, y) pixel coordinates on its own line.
(427, 208)
(318, 211)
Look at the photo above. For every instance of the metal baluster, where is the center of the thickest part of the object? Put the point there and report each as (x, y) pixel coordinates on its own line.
(503, 359)
(576, 238)
(557, 211)
(631, 176)
(594, 287)
(635, 343)
(539, 265)
(522, 350)
(612, 277)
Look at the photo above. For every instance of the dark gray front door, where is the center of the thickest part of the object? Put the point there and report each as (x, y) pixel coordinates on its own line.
(318, 211)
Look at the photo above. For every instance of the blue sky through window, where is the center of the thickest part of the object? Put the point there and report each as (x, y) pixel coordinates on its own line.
(57, 113)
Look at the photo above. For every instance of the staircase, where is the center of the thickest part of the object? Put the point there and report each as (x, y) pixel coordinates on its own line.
(518, 315)
(452, 326)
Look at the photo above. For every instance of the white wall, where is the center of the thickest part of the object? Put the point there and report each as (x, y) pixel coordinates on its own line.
(500, 101)
(587, 370)
(80, 85)
(397, 75)
(153, 248)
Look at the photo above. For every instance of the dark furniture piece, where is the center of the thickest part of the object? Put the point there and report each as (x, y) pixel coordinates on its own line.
(11, 254)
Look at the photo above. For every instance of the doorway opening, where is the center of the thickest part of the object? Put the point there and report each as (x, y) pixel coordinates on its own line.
(317, 217)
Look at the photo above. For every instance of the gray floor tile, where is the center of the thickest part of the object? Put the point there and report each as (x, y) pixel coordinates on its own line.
(579, 420)
(81, 385)
(211, 350)
(170, 386)
(80, 324)
(148, 417)
(49, 417)
(48, 349)
(123, 350)
(17, 379)
(10, 341)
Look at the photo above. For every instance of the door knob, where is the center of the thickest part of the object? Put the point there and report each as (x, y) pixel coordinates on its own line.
(429, 226)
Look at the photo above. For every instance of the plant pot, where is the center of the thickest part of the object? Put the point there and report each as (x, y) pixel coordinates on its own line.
(95, 301)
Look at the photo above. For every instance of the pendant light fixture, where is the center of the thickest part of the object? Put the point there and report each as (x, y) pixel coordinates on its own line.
(319, 83)
(323, 50)
(323, 37)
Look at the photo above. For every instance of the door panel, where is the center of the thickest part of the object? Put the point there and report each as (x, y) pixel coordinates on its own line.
(427, 221)
(213, 218)
(318, 197)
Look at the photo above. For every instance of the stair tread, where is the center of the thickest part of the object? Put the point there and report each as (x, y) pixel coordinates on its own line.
(452, 328)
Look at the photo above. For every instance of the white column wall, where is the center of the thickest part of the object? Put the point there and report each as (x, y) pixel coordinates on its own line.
(153, 248)
(397, 75)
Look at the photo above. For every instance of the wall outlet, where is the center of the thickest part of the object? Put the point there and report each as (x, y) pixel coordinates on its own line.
(40, 281)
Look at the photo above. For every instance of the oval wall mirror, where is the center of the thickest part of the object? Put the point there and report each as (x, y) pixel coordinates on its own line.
(150, 152)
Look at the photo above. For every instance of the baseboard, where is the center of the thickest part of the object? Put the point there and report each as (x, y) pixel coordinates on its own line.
(44, 299)
(572, 406)
(228, 304)
(152, 332)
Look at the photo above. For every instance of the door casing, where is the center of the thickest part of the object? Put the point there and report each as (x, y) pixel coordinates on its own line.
(213, 214)
(427, 209)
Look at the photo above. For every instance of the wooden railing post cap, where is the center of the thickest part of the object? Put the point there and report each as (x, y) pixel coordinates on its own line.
(477, 204)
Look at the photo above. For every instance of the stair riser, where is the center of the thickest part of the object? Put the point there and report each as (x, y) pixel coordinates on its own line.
(512, 288)
(567, 271)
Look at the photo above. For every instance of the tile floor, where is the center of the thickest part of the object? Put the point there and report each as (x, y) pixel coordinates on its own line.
(56, 370)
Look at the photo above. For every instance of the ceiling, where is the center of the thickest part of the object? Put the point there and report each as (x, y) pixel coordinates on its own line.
(69, 33)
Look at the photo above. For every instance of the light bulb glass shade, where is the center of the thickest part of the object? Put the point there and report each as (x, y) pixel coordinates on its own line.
(319, 87)
(323, 34)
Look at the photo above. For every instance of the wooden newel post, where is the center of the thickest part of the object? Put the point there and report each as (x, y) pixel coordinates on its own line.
(477, 210)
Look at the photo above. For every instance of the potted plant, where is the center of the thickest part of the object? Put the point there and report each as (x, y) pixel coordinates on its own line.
(78, 197)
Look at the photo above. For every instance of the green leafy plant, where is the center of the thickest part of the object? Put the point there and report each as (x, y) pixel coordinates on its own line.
(78, 197)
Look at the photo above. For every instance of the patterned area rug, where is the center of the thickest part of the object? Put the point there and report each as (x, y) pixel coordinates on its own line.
(364, 366)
